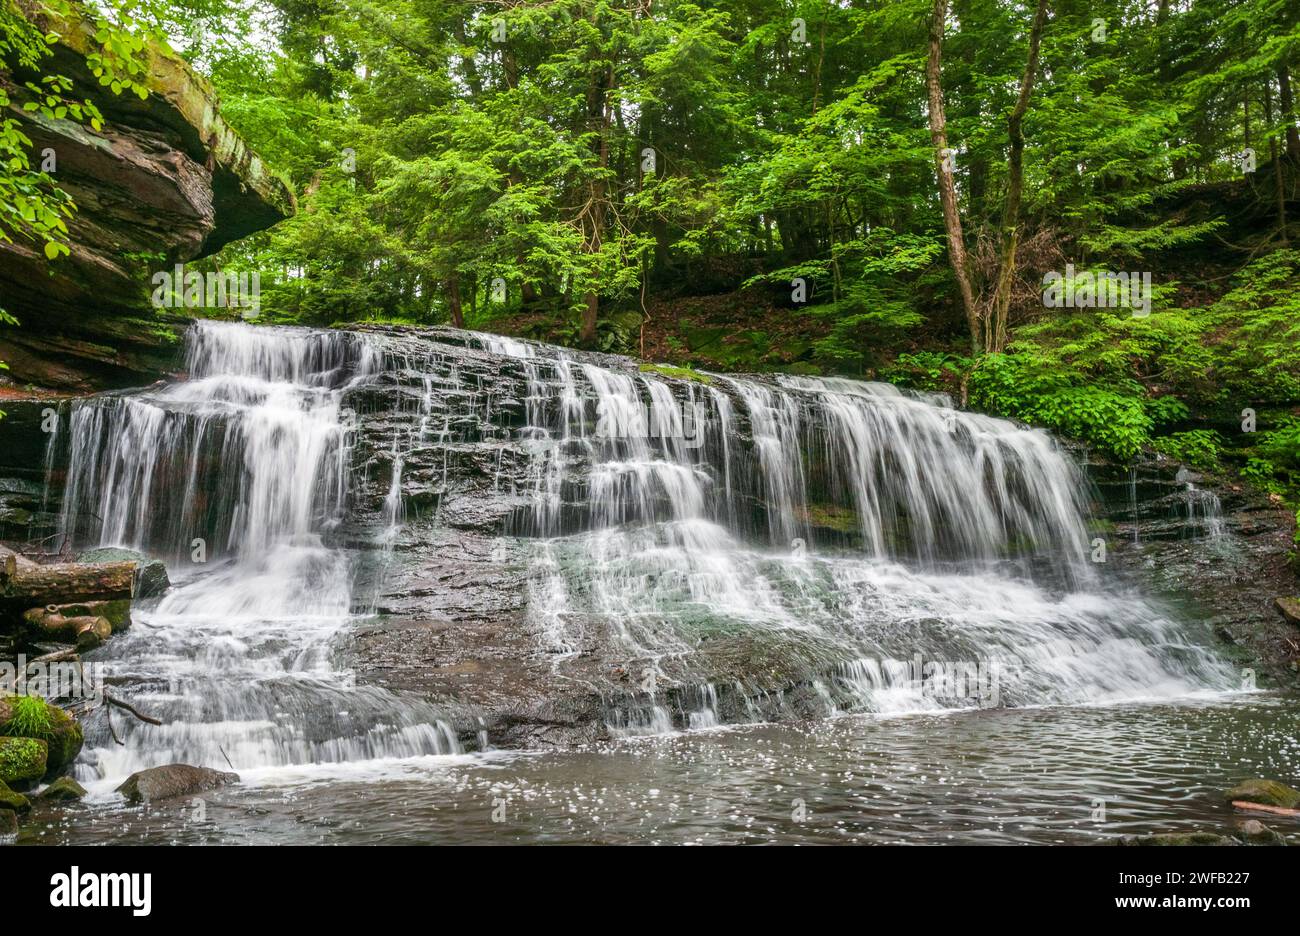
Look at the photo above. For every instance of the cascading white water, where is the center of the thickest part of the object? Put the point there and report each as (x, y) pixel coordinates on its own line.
(844, 530)
(891, 531)
(237, 475)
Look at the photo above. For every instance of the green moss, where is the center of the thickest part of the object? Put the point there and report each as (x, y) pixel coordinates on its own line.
(680, 373)
(63, 789)
(31, 717)
(1177, 839)
(1268, 792)
(834, 517)
(22, 760)
(14, 802)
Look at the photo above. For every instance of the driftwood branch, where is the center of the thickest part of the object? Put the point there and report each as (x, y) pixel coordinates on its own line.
(1261, 807)
(113, 700)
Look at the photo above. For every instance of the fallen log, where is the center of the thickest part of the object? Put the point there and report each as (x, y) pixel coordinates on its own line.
(86, 631)
(64, 582)
(1248, 806)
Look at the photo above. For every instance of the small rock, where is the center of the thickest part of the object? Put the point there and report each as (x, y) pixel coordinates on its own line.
(13, 802)
(157, 783)
(150, 575)
(62, 790)
(1268, 792)
(1290, 608)
(1254, 832)
(22, 761)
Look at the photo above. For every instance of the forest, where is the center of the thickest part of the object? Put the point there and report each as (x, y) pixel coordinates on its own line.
(873, 189)
(593, 421)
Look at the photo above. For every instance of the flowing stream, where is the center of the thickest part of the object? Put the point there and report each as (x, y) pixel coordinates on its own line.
(899, 556)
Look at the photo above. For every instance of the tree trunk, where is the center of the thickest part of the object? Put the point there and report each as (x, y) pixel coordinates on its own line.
(1288, 111)
(453, 300)
(1276, 162)
(601, 110)
(66, 581)
(995, 338)
(947, 188)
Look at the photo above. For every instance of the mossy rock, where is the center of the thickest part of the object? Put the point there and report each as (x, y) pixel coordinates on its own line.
(1268, 792)
(22, 761)
(679, 373)
(151, 574)
(33, 717)
(1178, 838)
(833, 517)
(1254, 832)
(63, 790)
(11, 801)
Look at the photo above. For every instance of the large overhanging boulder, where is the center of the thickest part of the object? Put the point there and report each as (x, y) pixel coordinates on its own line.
(165, 181)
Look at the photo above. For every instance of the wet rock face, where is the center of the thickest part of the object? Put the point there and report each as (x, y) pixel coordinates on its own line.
(535, 582)
(1215, 548)
(166, 179)
(443, 461)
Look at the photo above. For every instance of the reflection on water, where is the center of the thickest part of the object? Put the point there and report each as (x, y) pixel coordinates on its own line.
(988, 777)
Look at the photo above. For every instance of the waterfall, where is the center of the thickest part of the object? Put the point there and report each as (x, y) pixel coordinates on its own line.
(734, 548)
(874, 536)
(237, 475)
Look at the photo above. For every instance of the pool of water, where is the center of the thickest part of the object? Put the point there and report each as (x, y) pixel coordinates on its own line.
(1070, 775)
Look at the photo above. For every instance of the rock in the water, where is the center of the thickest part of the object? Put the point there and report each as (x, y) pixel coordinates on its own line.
(33, 717)
(1290, 608)
(1178, 838)
(1268, 792)
(63, 790)
(22, 761)
(8, 826)
(151, 574)
(1254, 832)
(11, 801)
(156, 783)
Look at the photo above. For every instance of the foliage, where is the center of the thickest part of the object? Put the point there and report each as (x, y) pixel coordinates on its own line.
(1201, 448)
(681, 373)
(29, 718)
(526, 166)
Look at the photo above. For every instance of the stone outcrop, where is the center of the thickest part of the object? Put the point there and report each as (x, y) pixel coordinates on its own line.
(436, 437)
(165, 181)
(1211, 545)
(157, 783)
